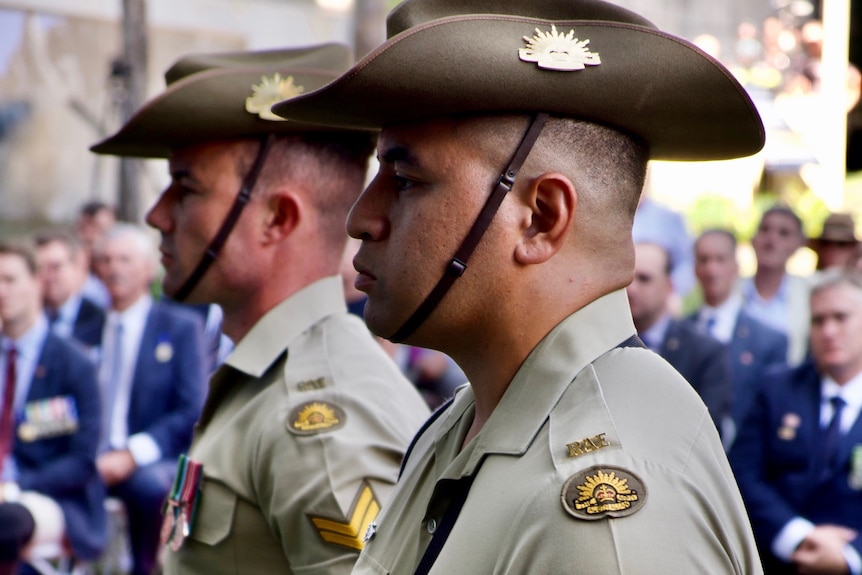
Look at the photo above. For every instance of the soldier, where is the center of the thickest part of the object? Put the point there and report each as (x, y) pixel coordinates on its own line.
(306, 422)
(570, 450)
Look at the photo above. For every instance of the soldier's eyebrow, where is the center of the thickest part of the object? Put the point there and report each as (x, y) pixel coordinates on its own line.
(399, 154)
(182, 174)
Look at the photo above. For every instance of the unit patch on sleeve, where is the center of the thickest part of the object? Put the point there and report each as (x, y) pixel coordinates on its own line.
(350, 533)
(603, 491)
(315, 416)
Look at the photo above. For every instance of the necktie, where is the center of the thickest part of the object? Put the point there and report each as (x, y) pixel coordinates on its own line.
(7, 422)
(111, 385)
(710, 324)
(53, 315)
(831, 437)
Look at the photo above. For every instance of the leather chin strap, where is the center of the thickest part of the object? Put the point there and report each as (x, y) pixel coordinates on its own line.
(458, 265)
(230, 221)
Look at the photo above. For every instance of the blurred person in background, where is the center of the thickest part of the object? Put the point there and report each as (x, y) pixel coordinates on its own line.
(753, 347)
(153, 381)
(773, 295)
(50, 493)
(658, 224)
(837, 244)
(701, 359)
(94, 219)
(63, 271)
(798, 455)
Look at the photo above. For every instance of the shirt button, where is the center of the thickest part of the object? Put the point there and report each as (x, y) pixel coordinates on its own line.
(432, 526)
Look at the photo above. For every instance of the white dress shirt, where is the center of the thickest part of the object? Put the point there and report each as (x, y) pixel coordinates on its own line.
(142, 446)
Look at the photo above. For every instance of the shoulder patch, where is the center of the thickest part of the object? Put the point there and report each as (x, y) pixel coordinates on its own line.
(315, 416)
(603, 491)
(350, 533)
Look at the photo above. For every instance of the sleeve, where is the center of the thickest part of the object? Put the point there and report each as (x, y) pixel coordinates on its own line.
(77, 465)
(321, 490)
(172, 431)
(749, 457)
(686, 526)
(716, 387)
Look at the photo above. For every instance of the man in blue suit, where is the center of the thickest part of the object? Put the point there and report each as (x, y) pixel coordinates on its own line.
(699, 358)
(798, 456)
(753, 347)
(50, 492)
(63, 271)
(153, 377)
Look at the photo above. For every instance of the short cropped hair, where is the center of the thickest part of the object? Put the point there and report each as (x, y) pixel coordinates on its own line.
(785, 210)
(22, 250)
(65, 237)
(834, 277)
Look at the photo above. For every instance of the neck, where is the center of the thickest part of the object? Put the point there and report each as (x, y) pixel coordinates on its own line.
(767, 281)
(15, 328)
(842, 375)
(122, 304)
(491, 360)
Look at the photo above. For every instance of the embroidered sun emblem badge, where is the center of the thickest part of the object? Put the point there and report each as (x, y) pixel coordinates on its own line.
(271, 91)
(555, 51)
(603, 492)
(315, 416)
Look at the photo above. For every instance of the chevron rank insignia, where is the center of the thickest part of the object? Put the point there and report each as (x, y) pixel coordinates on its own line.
(350, 533)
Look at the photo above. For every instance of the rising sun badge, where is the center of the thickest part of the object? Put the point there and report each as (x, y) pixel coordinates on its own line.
(314, 417)
(603, 491)
(555, 51)
(271, 91)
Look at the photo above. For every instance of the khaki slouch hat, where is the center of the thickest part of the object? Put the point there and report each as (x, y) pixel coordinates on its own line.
(223, 96)
(583, 59)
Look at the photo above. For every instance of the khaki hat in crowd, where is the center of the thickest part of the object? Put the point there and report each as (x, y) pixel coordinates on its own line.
(838, 228)
(225, 96)
(583, 59)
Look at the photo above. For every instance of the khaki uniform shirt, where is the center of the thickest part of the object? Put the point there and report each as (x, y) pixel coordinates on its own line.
(597, 460)
(300, 440)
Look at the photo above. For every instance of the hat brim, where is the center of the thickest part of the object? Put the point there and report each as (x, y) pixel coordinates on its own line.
(816, 242)
(181, 117)
(683, 103)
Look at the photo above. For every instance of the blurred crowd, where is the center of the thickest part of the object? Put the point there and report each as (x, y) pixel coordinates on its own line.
(777, 358)
(103, 364)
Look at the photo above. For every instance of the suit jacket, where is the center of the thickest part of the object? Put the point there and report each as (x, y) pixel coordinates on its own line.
(702, 360)
(798, 316)
(63, 466)
(773, 458)
(169, 383)
(89, 323)
(754, 349)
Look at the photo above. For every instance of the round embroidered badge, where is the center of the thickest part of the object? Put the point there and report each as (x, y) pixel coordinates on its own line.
(603, 491)
(315, 416)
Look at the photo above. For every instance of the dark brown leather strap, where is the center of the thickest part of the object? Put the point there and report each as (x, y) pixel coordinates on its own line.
(458, 265)
(230, 221)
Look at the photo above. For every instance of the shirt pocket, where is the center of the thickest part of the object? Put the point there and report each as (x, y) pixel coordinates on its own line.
(366, 565)
(215, 516)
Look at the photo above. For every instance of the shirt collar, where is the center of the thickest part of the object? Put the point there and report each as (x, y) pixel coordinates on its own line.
(654, 335)
(69, 310)
(728, 308)
(136, 312)
(552, 365)
(850, 392)
(30, 342)
(271, 335)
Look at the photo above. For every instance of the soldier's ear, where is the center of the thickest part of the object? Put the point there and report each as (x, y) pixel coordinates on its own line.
(551, 200)
(282, 216)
